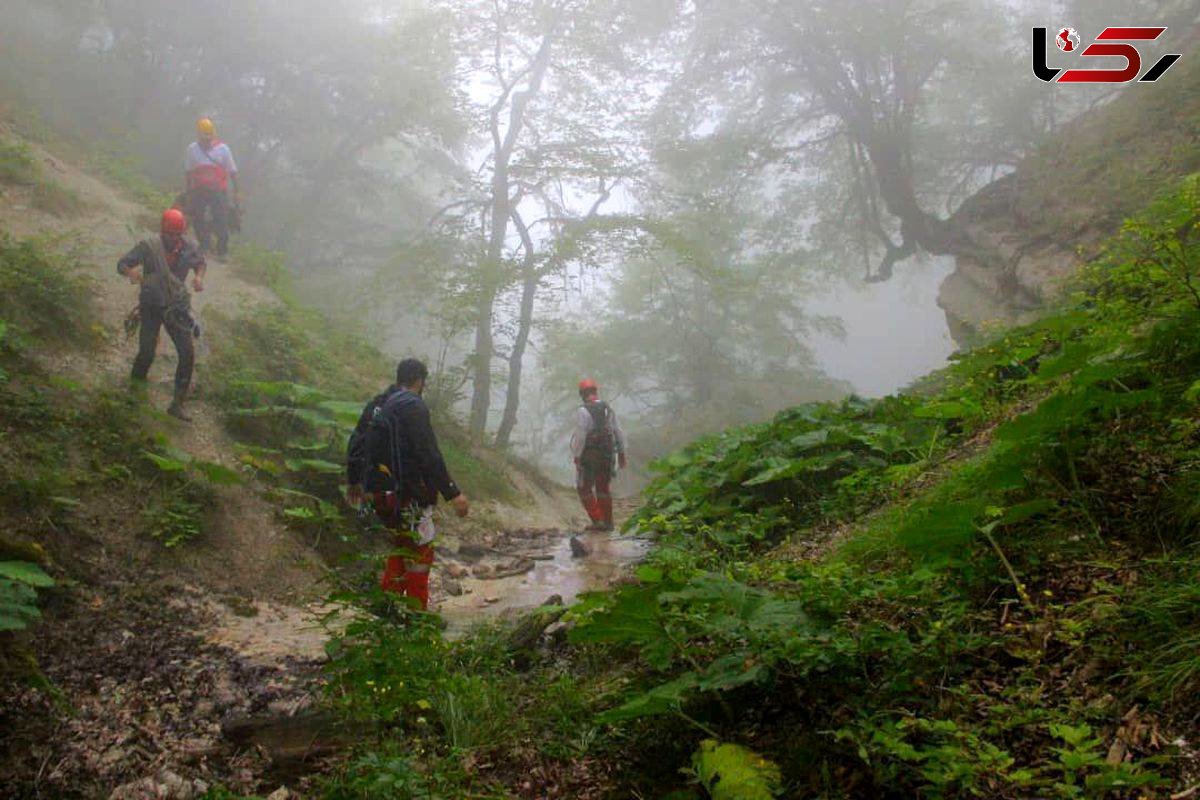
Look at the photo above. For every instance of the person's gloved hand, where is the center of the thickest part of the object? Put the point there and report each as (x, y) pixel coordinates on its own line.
(621, 461)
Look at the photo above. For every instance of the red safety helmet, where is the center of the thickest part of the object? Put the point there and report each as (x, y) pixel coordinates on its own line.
(173, 221)
(588, 386)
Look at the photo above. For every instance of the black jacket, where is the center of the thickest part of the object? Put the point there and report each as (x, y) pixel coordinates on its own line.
(423, 469)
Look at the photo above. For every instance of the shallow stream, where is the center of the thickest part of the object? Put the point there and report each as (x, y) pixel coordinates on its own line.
(556, 571)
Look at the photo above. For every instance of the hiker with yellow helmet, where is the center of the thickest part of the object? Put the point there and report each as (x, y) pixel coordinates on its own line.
(210, 173)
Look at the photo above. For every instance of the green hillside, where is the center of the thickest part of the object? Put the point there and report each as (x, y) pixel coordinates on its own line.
(988, 590)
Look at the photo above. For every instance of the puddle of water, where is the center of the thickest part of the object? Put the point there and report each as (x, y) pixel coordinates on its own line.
(563, 575)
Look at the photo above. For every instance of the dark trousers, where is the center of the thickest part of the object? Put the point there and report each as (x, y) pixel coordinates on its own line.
(592, 478)
(209, 212)
(180, 331)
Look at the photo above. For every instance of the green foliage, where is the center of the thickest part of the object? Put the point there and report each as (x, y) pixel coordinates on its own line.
(262, 267)
(19, 582)
(473, 711)
(174, 520)
(177, 515)
(1042, 460)
(387, 672)
(125, 172)
(731, 772)
(17, 164)
(43, 293)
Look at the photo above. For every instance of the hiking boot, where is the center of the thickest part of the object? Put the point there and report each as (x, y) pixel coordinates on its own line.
(607, 526)
(176, 411)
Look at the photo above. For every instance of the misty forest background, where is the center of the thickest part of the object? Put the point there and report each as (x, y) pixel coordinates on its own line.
(525, 192)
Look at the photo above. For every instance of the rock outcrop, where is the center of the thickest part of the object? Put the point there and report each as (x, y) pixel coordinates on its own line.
(1051, 215)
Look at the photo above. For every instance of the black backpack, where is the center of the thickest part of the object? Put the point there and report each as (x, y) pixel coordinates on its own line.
(380, 445)
(600, 438)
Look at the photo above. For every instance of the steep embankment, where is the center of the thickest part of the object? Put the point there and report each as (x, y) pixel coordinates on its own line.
(191, 560)
(1048, 218)
(983, 589)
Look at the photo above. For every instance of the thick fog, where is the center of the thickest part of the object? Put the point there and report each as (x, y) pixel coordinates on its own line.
(714, 209)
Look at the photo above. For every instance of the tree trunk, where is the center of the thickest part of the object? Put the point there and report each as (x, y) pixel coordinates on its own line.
(532, 279)
(481, 392)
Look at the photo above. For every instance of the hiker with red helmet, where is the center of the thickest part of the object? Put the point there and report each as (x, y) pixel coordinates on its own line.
(210, 172)
(598, 446)
(161, 265)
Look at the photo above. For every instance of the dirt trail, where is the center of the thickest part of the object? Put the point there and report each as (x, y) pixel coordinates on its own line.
(156, 648)
(247, 550)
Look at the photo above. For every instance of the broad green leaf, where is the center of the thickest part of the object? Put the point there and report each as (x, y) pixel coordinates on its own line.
(346, 412)
(25, 572)
(807, 441)
(312, 465)
(730, 671)
(732, 772)
(661, 699)
(217, 474)
(166, 463)
(946, 409)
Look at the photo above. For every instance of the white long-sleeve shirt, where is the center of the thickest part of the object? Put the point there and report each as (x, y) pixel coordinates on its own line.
(583, 426)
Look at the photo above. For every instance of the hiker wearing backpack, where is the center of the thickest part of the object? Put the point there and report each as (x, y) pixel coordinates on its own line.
(210, 172)
(161, 266)
(394, 461)
(598, 446)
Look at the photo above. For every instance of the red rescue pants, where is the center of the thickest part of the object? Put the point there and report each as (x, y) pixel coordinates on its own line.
(409, 575)
(405, 573)
(592, 479)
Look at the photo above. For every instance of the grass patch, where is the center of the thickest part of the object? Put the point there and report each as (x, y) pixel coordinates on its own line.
(124, 173)
(19, 167)
(17, 164)
(43, 293)
(262, 267)
(478, 478)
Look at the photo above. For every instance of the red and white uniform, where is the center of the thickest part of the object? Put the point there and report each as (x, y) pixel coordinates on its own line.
(211, 168)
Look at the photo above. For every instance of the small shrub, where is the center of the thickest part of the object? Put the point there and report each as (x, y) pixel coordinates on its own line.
(17, 164)
(42, 292)
(19, 582)
(174, 519)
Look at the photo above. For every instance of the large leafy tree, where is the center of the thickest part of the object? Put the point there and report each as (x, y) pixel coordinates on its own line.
(556, 89)
(867, 125)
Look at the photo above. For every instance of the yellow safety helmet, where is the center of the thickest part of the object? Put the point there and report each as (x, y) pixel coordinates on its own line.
(205, 126)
